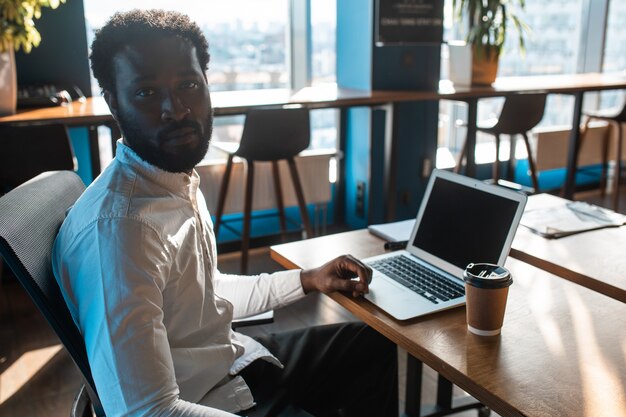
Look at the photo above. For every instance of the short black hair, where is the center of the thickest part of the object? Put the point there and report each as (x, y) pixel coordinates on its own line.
(124, 28)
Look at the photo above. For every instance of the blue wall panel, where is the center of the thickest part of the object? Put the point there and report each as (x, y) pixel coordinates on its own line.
(357, 162)
(416, 141)
(354, 43)
(79, 136)
(361, 65)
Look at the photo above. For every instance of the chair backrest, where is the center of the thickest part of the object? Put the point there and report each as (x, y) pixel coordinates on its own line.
(520, 113)
(26, 151)
(621, 116)
(274, 133)
(30, 217)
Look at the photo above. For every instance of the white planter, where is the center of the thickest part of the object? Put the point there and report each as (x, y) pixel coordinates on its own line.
(460, 63)
(8, 83)
(466, 70)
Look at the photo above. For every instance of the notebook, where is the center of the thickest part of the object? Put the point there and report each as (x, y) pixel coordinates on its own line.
(393, 232)
(461, 220)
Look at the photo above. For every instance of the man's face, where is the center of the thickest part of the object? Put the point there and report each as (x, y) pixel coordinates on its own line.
(161, 102)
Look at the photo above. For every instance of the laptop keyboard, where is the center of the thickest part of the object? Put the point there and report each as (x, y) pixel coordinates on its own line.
(418, 278)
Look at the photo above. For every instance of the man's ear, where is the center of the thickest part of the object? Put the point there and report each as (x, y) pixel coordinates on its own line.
(111, 100)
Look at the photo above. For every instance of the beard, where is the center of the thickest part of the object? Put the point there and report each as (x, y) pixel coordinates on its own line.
(184, 159)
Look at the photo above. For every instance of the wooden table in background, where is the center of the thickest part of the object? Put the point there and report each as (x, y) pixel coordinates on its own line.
(562, 351)
(94, 111)
(594, 259)
(89, 113)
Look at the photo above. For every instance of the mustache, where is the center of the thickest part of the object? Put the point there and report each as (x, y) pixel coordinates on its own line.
(174, 126)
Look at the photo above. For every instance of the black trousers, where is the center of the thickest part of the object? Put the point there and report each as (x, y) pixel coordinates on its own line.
(345, 369)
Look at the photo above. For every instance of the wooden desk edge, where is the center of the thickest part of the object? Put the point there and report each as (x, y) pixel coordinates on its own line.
(575, 277)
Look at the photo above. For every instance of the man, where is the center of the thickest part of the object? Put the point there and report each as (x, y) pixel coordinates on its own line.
(137, 265)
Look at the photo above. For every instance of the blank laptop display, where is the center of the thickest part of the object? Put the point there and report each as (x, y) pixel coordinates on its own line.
(461, 220)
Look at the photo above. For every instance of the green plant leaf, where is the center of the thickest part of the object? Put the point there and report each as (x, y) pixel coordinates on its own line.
(488, 22)
(17, 23)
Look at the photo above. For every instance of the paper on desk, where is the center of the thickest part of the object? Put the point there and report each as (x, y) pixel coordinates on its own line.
(393, 232)
(570, 218)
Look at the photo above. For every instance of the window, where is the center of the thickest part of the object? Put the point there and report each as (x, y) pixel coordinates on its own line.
(614, 59)
(323, 70)
(247, 38)
(249, 46)
(552, 47)
(323, 37)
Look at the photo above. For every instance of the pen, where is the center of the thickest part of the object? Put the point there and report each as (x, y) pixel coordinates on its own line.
(396, 245)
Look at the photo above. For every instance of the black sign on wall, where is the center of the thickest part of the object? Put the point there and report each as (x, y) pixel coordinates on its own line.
(405, 22)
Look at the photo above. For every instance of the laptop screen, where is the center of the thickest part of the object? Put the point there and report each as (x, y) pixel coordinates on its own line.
(462, 224)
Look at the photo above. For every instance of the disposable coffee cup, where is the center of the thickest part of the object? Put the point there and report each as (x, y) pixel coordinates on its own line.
(486, 291)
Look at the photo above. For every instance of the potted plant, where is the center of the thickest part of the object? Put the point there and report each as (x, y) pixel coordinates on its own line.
(475, 61)
(17, 31)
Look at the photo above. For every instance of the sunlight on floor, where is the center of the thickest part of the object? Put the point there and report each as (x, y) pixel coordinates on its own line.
(19, 373)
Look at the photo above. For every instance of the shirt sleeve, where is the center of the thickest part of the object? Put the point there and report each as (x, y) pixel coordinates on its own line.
(256, 294)
(114, 273)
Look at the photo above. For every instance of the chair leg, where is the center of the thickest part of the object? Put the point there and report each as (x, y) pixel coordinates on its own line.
(510, 166)
(459, 162)
(605, 160)
(618, 167)
(496, 164)
(583, 134)
(531, 164)
(247, 213)
(221, 200)
(279, 198)
(300, 196)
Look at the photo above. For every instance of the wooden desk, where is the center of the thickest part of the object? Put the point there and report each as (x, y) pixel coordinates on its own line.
(562, 351)
(90, 113)
(593, 259)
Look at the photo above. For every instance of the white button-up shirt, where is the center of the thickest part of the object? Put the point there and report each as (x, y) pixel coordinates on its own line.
(136, 262)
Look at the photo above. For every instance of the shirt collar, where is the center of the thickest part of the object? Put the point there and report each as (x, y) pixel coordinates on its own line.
(178, 183)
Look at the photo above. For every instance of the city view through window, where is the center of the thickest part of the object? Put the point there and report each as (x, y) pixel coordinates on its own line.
(247, 38)
(250, 39)
(551, 48)
(615, 50)
(249, 47)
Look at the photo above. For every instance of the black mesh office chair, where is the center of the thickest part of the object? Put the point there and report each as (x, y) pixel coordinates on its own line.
(26, 151)
(615, 117)
(268, 135)
(520, 113)
(30, 217)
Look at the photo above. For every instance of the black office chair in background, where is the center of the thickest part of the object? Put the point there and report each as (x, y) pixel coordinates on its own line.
(269, 135)
(615, 117)
(520, 113)
(26, 151)
(30, 217)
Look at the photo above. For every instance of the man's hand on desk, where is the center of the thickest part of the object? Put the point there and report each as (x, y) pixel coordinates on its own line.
(337, 275)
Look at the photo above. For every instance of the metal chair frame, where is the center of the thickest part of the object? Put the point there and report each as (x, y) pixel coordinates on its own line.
(615, 121)
(269, 135)
(520, 113)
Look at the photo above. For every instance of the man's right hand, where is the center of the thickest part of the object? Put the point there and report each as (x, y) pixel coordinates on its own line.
(337, 275)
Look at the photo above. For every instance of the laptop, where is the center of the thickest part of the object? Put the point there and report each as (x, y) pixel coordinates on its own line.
(461, 220)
